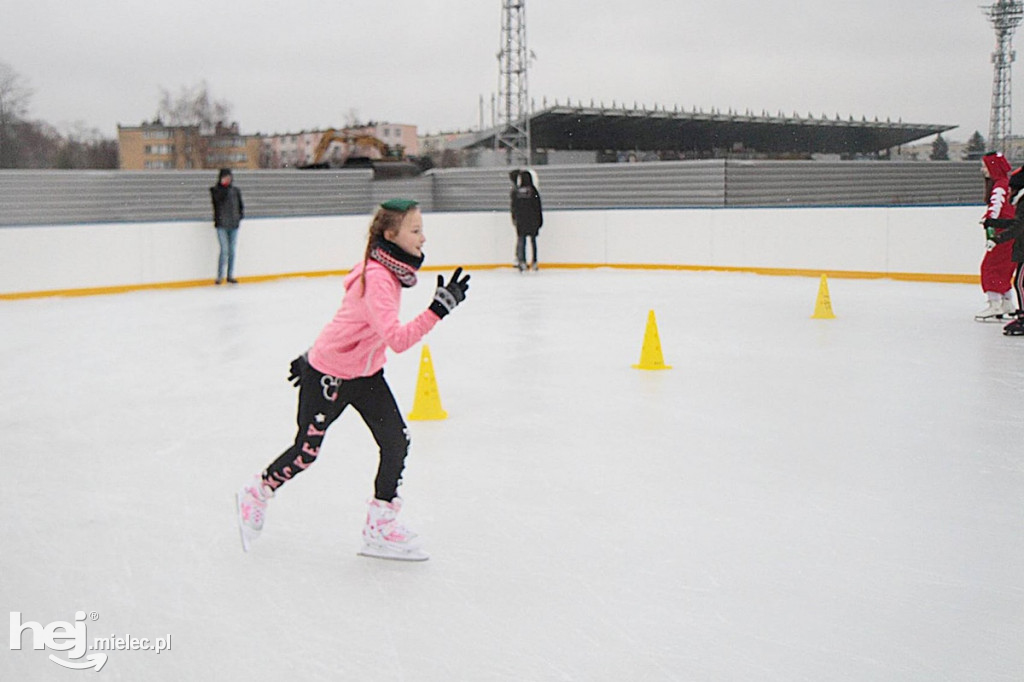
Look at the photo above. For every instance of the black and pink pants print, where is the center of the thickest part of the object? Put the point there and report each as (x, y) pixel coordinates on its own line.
(322, 398)
(1018, 286)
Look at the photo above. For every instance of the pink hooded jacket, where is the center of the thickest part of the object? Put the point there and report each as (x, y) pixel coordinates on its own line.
(353, 344)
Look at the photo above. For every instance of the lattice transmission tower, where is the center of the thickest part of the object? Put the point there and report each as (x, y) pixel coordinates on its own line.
(513, 136)
(1005, 16)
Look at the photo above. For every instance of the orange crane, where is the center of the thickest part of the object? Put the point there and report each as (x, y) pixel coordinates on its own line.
(353, 141)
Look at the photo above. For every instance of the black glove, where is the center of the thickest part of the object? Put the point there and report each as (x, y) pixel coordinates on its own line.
(298, 368)
(993, 237)
(447, 296)
(988, 223)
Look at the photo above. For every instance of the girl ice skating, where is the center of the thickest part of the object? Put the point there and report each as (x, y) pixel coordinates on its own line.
(345, 366)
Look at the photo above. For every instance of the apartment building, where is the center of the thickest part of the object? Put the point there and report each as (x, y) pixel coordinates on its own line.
(290, 150)
(396, 135)
(334, 146)
(155, 146)
(228, 148)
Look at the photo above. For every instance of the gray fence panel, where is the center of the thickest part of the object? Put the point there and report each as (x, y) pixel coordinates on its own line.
(635, 185)
(304, 193)
(670, 184)
(421, 189)
(471, 189)
(815, 183)
(64, 197)
(57, 197)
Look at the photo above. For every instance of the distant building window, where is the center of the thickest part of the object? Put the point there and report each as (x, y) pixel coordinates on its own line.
(237, 157)
(159, 149)
(227, 142)
(157, 134)
(159, 165)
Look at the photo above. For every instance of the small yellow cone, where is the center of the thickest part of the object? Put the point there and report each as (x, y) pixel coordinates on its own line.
(823, 306)
(650, 354)
(427, 404)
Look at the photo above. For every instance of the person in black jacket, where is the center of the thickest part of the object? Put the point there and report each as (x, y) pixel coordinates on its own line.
(228, 212)
(527, 216)
(1014, 230)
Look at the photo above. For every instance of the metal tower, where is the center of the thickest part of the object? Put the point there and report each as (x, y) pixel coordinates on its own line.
(1004, 16)
(513, 136)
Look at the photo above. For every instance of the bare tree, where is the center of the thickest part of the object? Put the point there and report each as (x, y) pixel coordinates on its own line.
(352, 118)
(14, 98)
(84, 147)
(193, 106)
(37, 144)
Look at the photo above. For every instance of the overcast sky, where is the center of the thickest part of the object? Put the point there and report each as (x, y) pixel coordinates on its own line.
(290, 65)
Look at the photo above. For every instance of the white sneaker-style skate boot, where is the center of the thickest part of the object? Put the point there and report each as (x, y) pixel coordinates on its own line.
(1009, 308)
(251, 504)
(993, 311)
(385, 538)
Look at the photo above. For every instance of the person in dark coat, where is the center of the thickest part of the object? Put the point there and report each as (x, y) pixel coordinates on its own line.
(228, 211)
(527, 216)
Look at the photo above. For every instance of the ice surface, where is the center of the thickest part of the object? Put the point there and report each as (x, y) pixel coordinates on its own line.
(797, 499)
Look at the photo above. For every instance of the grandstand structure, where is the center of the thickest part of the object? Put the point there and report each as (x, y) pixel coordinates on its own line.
(696, 134)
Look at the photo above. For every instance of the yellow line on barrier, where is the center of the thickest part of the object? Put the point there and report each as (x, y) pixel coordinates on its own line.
(784, 272)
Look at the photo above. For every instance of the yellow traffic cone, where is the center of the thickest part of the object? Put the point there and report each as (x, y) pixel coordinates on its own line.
(427, 404)
(823, 306)
(650, 354)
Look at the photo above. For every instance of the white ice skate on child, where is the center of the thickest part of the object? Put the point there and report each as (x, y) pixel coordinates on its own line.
(251, 505)
(992, 313)
(385, 538)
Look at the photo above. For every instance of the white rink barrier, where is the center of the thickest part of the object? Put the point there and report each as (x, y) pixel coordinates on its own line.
(942, 243)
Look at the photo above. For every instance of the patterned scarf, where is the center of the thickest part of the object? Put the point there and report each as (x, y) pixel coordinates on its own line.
(401, 264)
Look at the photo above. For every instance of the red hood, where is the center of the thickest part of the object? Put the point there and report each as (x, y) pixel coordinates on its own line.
(998, 167)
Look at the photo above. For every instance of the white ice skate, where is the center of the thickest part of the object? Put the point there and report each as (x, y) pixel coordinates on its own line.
(251, 505)
(1009, 309)
(993, 312)
(385, 538)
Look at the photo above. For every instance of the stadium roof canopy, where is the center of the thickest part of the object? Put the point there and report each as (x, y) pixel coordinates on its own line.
(709, 133)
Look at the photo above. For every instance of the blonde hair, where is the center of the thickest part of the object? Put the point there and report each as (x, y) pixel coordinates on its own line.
(385, 220)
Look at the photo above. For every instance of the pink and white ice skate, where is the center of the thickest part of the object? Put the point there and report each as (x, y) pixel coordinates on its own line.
(385, 538)
(251, 505)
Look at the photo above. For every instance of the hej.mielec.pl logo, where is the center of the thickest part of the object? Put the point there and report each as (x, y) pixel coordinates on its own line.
(73, 638)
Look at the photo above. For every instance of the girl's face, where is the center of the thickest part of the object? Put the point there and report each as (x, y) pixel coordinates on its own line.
(410, 233)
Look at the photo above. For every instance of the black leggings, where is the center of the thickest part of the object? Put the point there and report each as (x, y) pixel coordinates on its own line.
(322, 398)
(1019, 286)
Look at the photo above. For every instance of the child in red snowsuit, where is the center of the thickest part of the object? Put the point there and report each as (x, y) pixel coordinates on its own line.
(1012, 234)
(997, 266)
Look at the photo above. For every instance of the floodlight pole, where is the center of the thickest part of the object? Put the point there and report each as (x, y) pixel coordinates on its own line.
(1005, 16)
(513, 131)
